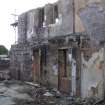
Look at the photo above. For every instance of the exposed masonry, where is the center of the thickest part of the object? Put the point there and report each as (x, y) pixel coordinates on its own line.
(62, 45)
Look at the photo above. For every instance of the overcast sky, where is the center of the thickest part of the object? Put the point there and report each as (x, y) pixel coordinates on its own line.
(7, 7)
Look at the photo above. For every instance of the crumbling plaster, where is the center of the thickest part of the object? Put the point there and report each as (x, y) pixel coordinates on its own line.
(92, 74)
(89, 17)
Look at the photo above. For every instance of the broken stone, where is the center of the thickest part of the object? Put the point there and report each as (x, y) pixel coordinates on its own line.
(33, 84)
(56, 93)
(48, 94)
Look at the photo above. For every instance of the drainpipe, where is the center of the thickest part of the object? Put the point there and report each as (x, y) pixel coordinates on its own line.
(74, 16)
(104, 73)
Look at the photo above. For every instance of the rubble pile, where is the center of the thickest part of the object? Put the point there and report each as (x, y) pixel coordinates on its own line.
(45, 96)
(87, 101)
(42, 96)
(22, 93)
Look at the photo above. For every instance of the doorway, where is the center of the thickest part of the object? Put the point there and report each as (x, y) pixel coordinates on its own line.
(67, 65)
(39, 64)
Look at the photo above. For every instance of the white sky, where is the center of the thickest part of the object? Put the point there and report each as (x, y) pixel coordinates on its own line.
(7, 7)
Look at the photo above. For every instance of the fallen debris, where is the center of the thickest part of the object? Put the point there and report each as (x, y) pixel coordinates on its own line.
(99, 102)
(21, 93)
(48, 94)
(33, 84)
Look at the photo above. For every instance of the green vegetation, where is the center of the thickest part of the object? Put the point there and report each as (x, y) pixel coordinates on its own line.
(3, 50)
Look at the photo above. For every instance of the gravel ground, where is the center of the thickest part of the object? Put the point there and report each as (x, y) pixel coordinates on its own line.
(14, 93)
(25, 93)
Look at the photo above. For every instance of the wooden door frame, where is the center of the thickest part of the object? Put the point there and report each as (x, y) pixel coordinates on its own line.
(63, 77)
(40, 61)
(37, 51)
(78, 70)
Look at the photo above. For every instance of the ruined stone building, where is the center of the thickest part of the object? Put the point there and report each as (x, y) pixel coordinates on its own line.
(62, 45)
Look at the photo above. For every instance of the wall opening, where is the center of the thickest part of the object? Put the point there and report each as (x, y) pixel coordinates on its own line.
(41, 17)
(43, 61)
(39, 64)
(56, 14)
(67, 65)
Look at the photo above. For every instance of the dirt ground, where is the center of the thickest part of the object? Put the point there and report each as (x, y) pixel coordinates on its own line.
(14, 93)
(21, 93)
(26, 93)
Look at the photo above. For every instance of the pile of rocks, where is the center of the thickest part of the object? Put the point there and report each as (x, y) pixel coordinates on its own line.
(45, 96)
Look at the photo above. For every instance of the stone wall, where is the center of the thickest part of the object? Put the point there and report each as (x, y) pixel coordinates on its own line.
(22, 27)
(63, 18)
(20, 62)
(52, 65)
(38, 27)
